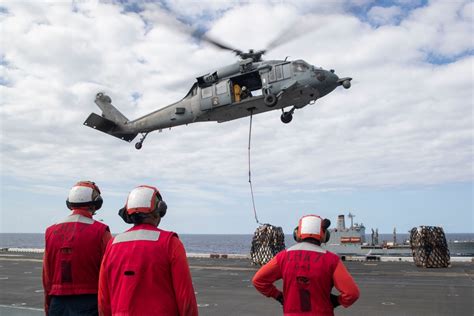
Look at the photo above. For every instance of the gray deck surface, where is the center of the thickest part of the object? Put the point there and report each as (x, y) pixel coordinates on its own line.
(223, 287)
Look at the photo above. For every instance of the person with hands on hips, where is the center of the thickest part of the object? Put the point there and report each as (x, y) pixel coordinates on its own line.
(309, 273)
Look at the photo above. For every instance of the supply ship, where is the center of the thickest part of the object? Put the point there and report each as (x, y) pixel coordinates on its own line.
(352, 241)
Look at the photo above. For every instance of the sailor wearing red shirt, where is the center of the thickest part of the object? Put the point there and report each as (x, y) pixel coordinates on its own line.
(145, 270)
(73, 251)
(309, 273)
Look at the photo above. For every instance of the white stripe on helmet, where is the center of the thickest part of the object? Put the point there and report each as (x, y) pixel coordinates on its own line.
(80, 194)
(311, 225)
(140, 197)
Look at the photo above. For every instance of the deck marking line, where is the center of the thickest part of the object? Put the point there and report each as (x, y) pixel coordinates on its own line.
(22, 307)
(20, 259)
(223, 268)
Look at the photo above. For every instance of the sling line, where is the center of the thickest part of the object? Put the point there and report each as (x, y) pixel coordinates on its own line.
(250, 173)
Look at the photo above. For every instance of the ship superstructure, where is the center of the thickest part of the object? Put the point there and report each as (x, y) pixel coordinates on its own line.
(351, 240)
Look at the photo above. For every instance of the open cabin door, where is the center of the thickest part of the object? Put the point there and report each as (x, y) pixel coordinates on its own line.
(252, 81)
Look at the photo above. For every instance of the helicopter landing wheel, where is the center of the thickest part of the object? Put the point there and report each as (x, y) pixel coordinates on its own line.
(270, 100)
(286, 117)
(139, 145)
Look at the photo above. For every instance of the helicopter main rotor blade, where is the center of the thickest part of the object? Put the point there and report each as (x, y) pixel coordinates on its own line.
(296, 30)
(218, 44)
(174, 22)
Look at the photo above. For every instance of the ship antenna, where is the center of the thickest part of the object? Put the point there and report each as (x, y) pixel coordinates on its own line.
(351, 216)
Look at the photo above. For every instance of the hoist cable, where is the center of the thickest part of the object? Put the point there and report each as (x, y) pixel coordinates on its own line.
(250, 172)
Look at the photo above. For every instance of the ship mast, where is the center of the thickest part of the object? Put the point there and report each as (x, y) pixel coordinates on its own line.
(351, 216)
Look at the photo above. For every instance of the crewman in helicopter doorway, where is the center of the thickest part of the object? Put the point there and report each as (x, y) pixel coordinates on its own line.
(309, 273)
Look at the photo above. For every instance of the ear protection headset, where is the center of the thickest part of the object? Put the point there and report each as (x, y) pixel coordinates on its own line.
(161, 206)
(320, 233)
(327, 234)
(83, 194)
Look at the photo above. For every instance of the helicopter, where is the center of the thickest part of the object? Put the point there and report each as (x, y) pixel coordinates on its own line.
(247, 87)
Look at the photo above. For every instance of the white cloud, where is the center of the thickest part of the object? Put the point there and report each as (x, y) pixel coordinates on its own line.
(404, 121)
(443, 28)
(384, 15)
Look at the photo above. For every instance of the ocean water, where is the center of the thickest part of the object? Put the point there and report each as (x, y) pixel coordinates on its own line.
(459, 244)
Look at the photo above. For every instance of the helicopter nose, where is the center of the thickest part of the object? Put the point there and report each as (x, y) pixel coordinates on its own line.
(326, 81)
(332, 77)
(327, 78)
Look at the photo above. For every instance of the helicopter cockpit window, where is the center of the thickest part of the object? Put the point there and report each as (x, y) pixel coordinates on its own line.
(278, 72)
(300, 66)
(286, 70)
(271, 75)
(206, 92)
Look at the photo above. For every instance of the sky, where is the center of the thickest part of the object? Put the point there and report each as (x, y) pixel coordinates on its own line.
(396, 149)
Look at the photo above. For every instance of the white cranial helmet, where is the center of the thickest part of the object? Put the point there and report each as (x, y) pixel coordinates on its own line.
(84, 194)
(145, 199)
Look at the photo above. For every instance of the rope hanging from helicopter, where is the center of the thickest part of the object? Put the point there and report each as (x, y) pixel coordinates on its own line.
(268, 240)
(250, 172)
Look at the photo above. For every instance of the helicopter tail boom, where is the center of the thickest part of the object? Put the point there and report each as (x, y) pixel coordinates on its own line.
(111, 122)
(107, 126)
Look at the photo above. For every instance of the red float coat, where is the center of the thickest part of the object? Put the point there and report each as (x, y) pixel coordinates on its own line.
(73, 252)
(145, 272)
(309, 272)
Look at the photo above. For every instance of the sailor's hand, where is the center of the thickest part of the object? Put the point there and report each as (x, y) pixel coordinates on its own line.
(279, 298)
(335, 300)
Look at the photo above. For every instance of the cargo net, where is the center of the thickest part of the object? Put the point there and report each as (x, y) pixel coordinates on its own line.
(268, 240)
(429, 247)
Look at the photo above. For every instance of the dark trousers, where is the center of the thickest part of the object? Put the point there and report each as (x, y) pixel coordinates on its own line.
(72, 305)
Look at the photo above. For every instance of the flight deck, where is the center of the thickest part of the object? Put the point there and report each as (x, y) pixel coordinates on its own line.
(223, 287)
